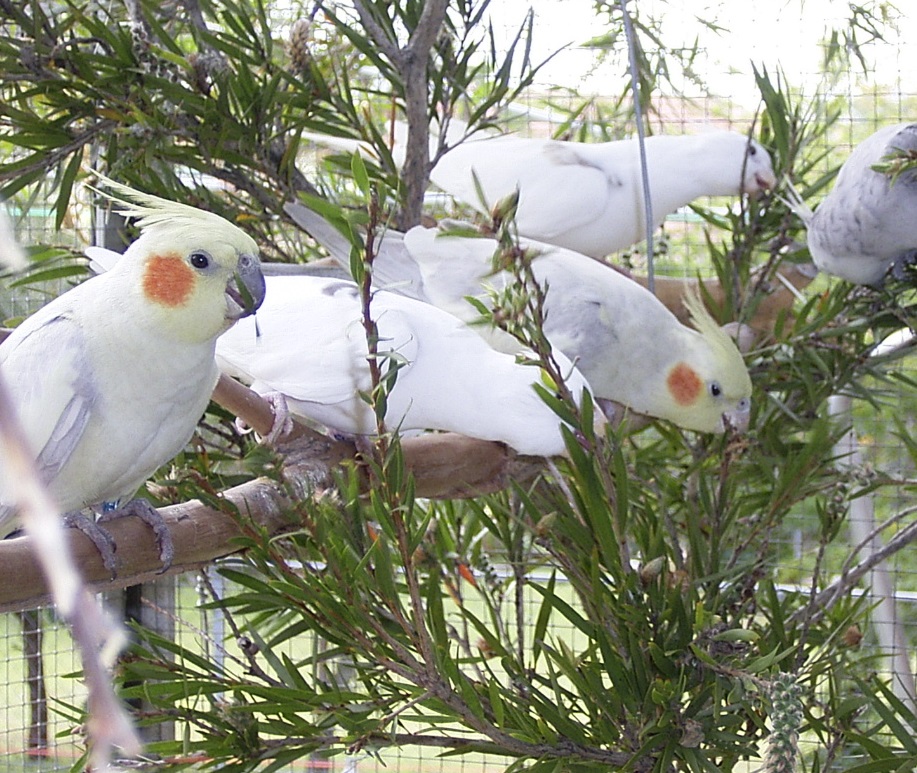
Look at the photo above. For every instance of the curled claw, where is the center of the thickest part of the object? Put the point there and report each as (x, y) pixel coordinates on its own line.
(241, 427)
(282, 420)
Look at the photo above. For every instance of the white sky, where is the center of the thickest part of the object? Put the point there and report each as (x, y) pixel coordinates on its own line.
(775, 31)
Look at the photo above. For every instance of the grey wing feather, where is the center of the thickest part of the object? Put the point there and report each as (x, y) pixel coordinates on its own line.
(393, 267)
(320, 230)
(47, 371)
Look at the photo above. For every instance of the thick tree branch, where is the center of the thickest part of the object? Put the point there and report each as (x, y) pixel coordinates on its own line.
(778, 296)
(413, 68)
(428, 27)
(445, 466)
(202, 534)
(411, 62)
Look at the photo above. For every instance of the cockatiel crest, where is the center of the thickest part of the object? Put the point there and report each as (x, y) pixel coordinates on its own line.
(173, 282)
(709, 399)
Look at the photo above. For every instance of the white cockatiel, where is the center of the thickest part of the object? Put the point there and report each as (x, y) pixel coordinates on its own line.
(868, 223)
(110, 379)
(588, 197)
(629, 346)
(310, 346)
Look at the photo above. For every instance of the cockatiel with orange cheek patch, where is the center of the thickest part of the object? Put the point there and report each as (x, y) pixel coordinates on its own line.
(629, 346)
(110, 379)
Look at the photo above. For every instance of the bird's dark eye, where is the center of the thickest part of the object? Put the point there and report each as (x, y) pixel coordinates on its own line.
(715, 389)
(200, 259)
(752, 150)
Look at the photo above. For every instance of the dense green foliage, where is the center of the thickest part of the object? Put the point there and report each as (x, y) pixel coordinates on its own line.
(627, 611)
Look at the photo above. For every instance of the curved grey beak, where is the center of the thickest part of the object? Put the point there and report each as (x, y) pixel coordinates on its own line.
(738, 418)
(246, 289)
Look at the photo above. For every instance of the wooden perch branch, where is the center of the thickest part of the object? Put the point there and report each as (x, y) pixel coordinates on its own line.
(445, 466)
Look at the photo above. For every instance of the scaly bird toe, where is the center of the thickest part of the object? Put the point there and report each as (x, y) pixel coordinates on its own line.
(100, 538)
(152, 518)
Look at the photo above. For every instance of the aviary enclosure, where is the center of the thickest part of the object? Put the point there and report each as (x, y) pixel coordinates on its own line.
(659, 600)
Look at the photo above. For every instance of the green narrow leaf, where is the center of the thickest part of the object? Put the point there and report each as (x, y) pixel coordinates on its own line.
(360, 175)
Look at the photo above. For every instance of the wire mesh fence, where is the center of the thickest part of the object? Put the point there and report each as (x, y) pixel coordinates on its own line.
(40, 680)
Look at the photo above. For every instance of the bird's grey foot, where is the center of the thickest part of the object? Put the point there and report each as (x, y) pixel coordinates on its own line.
(100, 538)
(151, 517)
(903, 267)
(283, 419)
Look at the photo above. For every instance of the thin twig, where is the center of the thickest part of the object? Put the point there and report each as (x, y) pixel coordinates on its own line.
(641, 142)
(563, 749)
(840, 587)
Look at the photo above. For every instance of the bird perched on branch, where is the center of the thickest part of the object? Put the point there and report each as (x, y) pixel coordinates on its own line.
(631, 349)
(868, 222)
(311, 348)
(588, 197)
(110, 379)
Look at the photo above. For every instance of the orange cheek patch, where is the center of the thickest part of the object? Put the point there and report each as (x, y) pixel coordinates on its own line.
(168, 280)
(684, 384)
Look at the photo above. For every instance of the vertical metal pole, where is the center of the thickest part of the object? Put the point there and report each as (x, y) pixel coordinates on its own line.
(641, 142)
(32, 636)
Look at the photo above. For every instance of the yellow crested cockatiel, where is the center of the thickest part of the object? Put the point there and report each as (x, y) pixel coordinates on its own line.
(110, 379)
(629, 346)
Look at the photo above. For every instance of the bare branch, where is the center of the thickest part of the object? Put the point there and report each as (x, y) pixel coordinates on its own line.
(48, 160)
(847, 581)
(97, 636)
(384, 43)
(412, 63)
(413, 68)
(431, 20)
(445, 465)
(457, 742)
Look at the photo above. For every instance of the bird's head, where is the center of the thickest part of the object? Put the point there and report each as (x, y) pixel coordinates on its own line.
(709, 387)
(195, 272)
(757, 168)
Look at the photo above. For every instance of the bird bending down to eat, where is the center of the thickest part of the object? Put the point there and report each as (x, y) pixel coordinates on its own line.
(588, 196)
(868, 222)
(629, 346)
(311, 348)
(110, 379)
